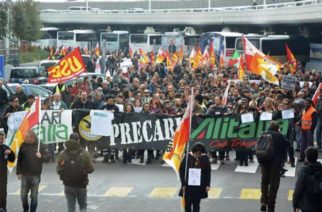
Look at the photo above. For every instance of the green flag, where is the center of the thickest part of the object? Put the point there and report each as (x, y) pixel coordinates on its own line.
(234, 59)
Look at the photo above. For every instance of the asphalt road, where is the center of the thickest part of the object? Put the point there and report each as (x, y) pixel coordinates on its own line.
(128, 187)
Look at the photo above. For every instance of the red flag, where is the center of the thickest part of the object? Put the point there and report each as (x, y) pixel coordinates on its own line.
(316, 94)
(291, 59)
(68, 67)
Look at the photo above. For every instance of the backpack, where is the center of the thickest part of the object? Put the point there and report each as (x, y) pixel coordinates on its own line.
(314, 187)
(264, 148)
(73, 172)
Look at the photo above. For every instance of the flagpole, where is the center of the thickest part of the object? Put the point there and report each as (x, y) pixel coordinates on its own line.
(187, 147)
(39, 123)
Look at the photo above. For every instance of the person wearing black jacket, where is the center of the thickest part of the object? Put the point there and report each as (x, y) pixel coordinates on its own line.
(196, 188)
(29, 168)
(6, 154)
(75, 189)
(302, 197)
(271, 170)
(83, 102)
(217, 109)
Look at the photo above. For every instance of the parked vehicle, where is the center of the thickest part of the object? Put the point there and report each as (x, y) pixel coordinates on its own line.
(32, 74)
(30, 89)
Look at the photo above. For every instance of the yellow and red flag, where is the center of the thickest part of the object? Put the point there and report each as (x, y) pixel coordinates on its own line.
(172, 60)
(241, 68)
(67, 68)
(174, 152)
(29, 121)
(180, 54)
(97, 50)
(160, 56)
(291, 59)
(195, 58)
(212, 56)
(222, 60)
(265, 68)
(250, 51)
(144, 59)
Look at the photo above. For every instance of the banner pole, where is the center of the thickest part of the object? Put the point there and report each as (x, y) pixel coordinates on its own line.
(187, 146)
(39, 123)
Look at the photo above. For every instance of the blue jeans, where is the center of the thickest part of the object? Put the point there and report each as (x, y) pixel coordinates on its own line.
(29, 183)
(73, 193)
(306, 141)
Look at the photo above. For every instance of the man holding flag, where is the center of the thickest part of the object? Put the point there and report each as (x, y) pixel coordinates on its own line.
(29, 168)
(195, 175)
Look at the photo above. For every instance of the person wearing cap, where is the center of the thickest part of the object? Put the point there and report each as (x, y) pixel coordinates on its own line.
(303, 198)
(30, 100)
(308, 122)
(6, 154)
(195, 180)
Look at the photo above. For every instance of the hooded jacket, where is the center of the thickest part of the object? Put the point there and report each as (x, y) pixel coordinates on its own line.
(73, 147)
(300, 198)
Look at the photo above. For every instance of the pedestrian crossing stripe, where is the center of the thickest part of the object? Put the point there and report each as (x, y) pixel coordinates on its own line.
(40, 188)
(118, 192)
(250, 194)
(166, 193)
(163, 192)
(214, 193)
(290, 195)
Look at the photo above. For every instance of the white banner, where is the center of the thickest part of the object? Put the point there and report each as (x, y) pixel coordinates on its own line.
(56, 126)
(101, 122)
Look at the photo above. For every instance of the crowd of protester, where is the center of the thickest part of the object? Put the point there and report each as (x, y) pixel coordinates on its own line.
(152, 88)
